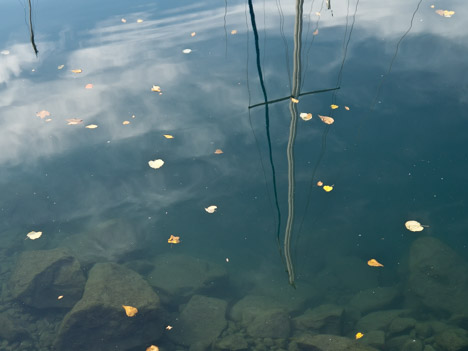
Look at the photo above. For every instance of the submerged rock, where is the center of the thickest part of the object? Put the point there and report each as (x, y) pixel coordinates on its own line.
(201, 321)
(40, 277)
(324, 319)
(99, 322)
(324, 342)
(438, 277)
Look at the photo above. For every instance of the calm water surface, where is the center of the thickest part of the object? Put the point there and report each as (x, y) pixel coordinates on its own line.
(395, 152)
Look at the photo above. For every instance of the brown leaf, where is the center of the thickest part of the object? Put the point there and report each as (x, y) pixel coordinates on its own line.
(43, 114)
(374, 263)
(130, 310)
(74, 121)
(326, 119)
(173, 239)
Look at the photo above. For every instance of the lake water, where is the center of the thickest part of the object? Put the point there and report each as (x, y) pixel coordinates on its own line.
(222, 93)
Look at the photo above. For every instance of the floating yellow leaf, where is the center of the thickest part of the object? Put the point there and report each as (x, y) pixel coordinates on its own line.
(156, 88)
(60, 297)
(152, 348)
(218, 151)
(34, 235)
(173, 239)
(346, 108)
(187, 51)
(169, 327)
(319, 183)
(315, 32)
(74, 121)
(374, 263)
(328, 188)
(48, 119)
(445, 13)
(124, 20)
(156, 163)
(77, 70)
(193, 34)
(89, 86)
(125, 123)
(318, 13)
(60, 67)
(91, 126)
(139, 20)
(43, 114)
(414, 226)
(306, 116)
(233, 31)
(326, 119)
(211, 209)
(130, 310)
(334, 106)
(432, 6)
(168, 136)
(359, 335)
(294, 100)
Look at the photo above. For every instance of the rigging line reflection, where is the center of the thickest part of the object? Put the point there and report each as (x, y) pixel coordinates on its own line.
(296, 86)
(267, 123)
(31, 30)
(286, 46)
(225, 29)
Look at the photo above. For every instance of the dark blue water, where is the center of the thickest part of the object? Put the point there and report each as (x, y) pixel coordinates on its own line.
(395, 153)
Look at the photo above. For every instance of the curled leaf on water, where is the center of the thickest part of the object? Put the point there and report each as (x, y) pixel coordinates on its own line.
(294, 100)
(168, 136)
(326, 119)
(130, 311)
(306, 116)
(374, 263)
(445, 13)
(333, 106)
(173, 239)
(42, 114)
(359, 335)
(156, 88)
(60, 297)
(193, 34)
(156, 163)
(139, 20)
(125, 123)
(415, 226)
(169, 327)
(60, 67)
(218, 151)
(74, 121)
(91, 126)
(328, 188)
(123, 20)
(76, 70)
(89, 86)
(346, 108)
(211, 209)
(34, 235)
(233, 32)
(319, 183)
(187, 51)
(152, 348)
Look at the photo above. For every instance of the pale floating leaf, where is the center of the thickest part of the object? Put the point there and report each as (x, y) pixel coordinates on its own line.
(211, 209)
(152, 348)
(346, 108)
(76, 70)
(74, 121)
(319, 183)
(445, 13)
(233, 32)
(130, 311)
(218, 151)
(60, 67)
(123, 20)
(169, 327)
(414, 226)
(168, 136)
(156, 163)
(326, 119)
(89, 86)
(173, 239)
(60, 297)
(125, 123)
(294, 100)
(139, 20)
(5, 52)
(156, 88)
(315, 32)
(193, 34)
(187, 51)
(359, 335)
(48, 120)
(42, 114)
(306, 116)
(34, 235)
(334, 107)
(91, 126)
(374, 263)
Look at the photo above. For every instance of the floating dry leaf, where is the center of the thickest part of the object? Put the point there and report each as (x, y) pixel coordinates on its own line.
(169, 327)
(173, 239)
(152, 348)
(43, 114)
(34, 235)
(306, 116)
(91, 126)
(218, 151)
(318, 13)
(414, 226)
(334, 107)
(60, 67)
(125, 123)
(156, 88)
(89, 86)
(124, 20)
(326, 119)
(445, 13)
(156, 163)
(328, 188)
(359, 335)
(130, 310)
(233, 31)
(432, 6)
(60, 297)
(168, 136)
(76, 70)
(346, 108)
(48, 119)
(187, 51)
(193, 34)
(74, 121)
(319, 183)
(211, 209)
(374, 263)
(5, 52)
(139, 20)
(294, 100)
(315, 32)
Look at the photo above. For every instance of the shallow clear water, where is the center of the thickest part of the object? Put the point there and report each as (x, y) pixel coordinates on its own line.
(395, 152)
